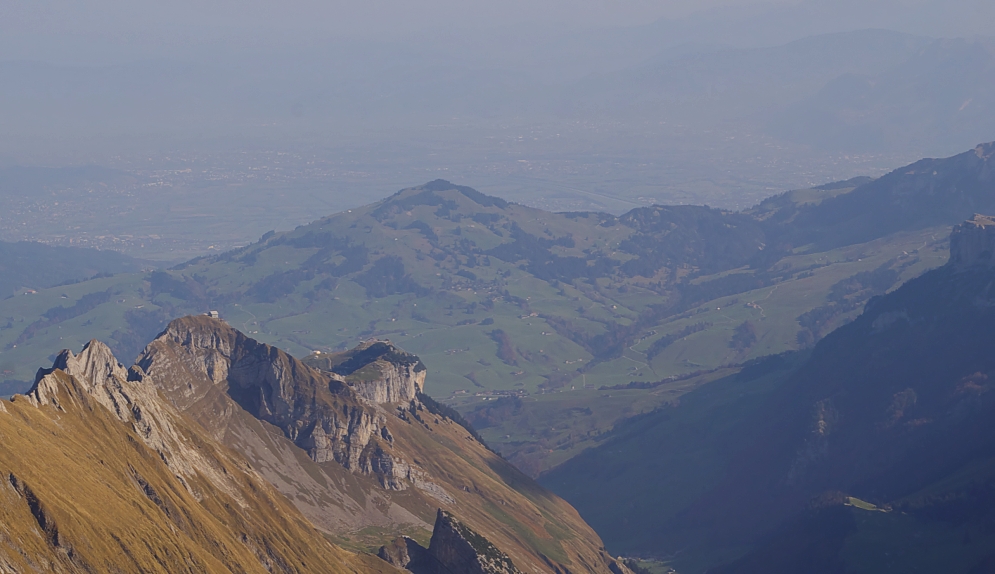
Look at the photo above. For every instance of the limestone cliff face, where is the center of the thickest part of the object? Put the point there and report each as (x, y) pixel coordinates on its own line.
(402, 552)
(972, 243)
(319, 411)
(378, 371)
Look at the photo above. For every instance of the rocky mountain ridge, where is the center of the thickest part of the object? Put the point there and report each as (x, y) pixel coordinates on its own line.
(318, 411)
(390, 466)
(345, 461)
(103, 474)
(139, 405)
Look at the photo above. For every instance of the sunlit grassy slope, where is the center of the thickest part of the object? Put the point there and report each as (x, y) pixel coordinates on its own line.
(82, 492)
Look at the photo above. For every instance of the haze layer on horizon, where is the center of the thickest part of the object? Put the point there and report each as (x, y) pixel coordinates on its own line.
(97, 32)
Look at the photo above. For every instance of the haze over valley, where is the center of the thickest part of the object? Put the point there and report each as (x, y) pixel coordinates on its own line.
(587, 287)
(576, 117)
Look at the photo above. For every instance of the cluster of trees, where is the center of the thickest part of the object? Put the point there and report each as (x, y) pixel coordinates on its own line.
(506, 350)
(665, 341)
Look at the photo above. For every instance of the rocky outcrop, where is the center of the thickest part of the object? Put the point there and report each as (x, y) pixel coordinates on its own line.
(226, 381)
(454, 548)
(202, 387)
(317, 410)
(972, 243)
(95, 375)
(377, 371)
(402, 552)
(459, 549)
(103, 474)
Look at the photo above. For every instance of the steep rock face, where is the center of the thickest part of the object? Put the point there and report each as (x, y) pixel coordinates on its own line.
(973, 242)
(378, 371)
(271, 407)
(454, 547)
(102, 474)
(105, 381)
(317, 411)
(402, 552)
(457, 548)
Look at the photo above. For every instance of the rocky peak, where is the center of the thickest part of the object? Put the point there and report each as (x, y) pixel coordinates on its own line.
(454, 547)
(95, 363)
(972, 243)
(95, 373)
(460, 549)
(196, 357)
(376, 370)
(95, 370)
(95, 379)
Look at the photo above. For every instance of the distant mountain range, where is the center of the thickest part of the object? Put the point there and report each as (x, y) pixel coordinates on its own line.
(939, 95)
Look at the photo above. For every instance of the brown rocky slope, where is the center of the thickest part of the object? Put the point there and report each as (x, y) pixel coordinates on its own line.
(362, 471)
(101, 474)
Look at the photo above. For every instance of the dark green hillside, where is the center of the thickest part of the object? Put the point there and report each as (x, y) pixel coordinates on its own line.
(893, 409)
(502, 300)
(31, 266)
(927, 193)
(26, 268)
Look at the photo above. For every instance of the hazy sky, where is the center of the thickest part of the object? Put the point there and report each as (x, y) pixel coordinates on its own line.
(83, 31)
(115, 31)
(117, 17)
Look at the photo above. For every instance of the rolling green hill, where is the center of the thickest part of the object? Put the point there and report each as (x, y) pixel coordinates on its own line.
(26, 267)
(502, 300)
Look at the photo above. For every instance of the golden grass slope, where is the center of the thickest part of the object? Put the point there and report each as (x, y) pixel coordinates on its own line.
(81, 491)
